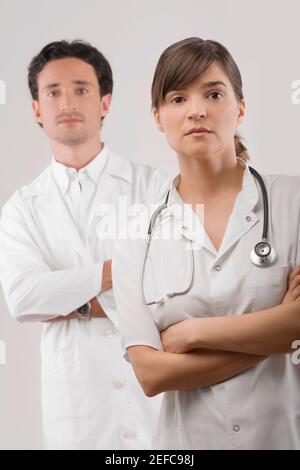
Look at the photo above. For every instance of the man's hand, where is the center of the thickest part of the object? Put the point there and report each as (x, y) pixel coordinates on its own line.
(293, 292)
(178, 338)
(106, 276)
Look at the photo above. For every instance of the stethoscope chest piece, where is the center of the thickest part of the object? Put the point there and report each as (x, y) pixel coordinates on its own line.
(263, 254)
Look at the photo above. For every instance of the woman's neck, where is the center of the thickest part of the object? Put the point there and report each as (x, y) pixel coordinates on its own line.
(203, 180)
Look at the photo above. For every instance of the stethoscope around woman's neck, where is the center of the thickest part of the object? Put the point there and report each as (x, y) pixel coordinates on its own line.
(262, 255)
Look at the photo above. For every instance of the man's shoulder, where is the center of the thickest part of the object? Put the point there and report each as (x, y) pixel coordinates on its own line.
(149, 180)
(37, 186)
(132, 168)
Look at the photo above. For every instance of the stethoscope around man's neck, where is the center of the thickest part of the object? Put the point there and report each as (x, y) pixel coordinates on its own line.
(262, 255)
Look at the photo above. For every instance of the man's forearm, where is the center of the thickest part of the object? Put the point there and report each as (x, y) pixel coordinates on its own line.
(96, 311)
(159, 371)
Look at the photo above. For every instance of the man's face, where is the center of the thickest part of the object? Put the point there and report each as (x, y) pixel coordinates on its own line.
(69, 104)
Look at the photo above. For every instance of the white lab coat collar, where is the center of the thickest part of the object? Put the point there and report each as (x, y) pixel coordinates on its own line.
(93, 170)
(249, 192)
(242, 218)
(116, 167)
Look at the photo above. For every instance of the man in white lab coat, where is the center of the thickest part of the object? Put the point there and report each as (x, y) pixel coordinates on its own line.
(56, 265)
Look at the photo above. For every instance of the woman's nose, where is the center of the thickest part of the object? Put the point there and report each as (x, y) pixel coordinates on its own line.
(197, 110)
(197, 116)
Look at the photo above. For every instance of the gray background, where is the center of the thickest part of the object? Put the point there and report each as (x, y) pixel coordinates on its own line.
(264, 38)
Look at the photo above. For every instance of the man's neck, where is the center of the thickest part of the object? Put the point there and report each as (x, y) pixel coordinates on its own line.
(76, 156)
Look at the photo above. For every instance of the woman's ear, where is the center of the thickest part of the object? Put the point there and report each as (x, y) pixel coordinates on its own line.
(241, 113)
(156, 115)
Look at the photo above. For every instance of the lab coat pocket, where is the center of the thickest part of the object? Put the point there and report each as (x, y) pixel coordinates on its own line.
(268, 286)
(64, 385)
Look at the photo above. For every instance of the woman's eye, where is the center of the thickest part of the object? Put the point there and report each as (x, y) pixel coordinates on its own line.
(177, 99)
(215, 95)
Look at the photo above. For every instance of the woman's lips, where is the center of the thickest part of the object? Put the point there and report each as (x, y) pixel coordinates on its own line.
(200, 130)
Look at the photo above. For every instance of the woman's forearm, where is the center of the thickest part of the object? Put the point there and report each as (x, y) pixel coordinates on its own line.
(266, 332)
(159, 371)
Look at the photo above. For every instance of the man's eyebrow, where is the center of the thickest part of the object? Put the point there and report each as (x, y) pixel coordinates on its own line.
(49, 86)
(82, 82)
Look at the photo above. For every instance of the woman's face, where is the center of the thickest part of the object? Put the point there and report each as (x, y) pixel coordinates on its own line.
(201, 119)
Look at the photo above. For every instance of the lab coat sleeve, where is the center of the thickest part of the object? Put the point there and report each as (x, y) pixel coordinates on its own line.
(136, 324)
(32, 290)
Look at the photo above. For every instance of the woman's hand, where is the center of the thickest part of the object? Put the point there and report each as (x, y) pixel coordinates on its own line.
(178, 338)
(293, 292)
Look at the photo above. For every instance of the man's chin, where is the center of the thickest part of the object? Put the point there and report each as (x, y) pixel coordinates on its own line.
(72, 139)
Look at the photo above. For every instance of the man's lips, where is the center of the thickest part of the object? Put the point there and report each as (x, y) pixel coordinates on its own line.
(69, 121)
(199, 130)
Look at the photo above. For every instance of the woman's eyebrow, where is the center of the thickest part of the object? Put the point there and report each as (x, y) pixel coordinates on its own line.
(213, 83)
(210, 84)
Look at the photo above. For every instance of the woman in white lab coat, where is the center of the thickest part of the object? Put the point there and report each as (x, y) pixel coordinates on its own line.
(222, 346)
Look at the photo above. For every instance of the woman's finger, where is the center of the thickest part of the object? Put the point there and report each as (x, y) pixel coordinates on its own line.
(295, 282)
(295, 293)
(294, 273)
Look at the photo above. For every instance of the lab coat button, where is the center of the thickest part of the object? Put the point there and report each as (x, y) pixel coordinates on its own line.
(218, 267)
(118, 385)
(236, 428)
(109, 333)
(248, 218)
(130, 435)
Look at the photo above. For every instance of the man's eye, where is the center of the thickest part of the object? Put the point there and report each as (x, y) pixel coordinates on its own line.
(177, 99)
(82, 91)
(215, 95)
(52, 93)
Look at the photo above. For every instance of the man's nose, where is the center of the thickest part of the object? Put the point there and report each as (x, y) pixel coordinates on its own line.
(68, 102)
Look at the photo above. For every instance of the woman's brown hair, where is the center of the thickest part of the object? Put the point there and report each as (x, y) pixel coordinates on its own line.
(182, 62)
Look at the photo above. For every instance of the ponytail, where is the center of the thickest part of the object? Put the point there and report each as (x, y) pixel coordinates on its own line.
(240, 149)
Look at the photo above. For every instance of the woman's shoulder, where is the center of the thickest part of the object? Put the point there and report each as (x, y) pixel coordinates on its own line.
(285, 183)
(284, 192)
(131, 246)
